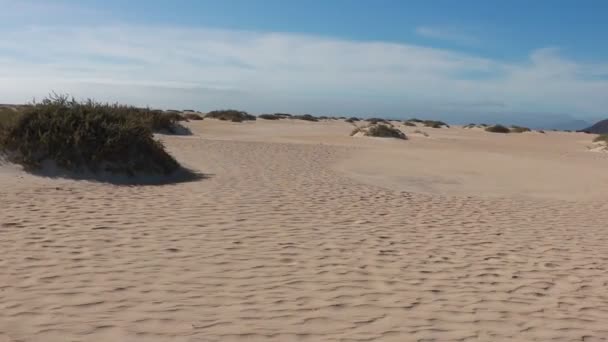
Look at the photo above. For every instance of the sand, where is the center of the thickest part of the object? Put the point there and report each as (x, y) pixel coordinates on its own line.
(303, 233)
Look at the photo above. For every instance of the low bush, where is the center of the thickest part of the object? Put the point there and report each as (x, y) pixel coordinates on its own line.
(409, 123)
(380, 130)
(269, 116)
(230, 115)
(435, 124)
(421, 132)
(86, 136)
(192, 116)
(601, 138)
(519, 129)
(305, 117)
(374, 121)
(498, 129)
(352, 119)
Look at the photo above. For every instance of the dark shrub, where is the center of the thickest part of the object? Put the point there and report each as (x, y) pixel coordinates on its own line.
(416, 120)
(269, 117)
(498, 129)
(409, 123)
(305, 117)
(381, 131)
(541, 131)
(434, 123)
(374, 121)
(519, 129)
(86, 136)
(192, 116)
(283, 115)
(8, 115)
(352, 119)
(230, 115)
(601, 138)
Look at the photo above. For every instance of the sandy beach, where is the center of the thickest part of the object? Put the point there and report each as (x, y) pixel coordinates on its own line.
(300, 232)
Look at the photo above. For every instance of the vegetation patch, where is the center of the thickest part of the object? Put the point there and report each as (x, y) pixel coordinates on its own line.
(601, 139)
(86, 137)
(498, 129)
(421, 133)
(305, 117)
(230, 115)
(352, 119)
(192, 116)
(435, 124)
(409, 123)
(380, 131)
(374, 121)
(269, 116)
(519, 129)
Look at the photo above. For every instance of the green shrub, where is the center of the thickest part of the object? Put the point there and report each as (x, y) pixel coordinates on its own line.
(498, 129)
(380, 131)
(8, 115)
(601, 138)
(409, 123)
(230, 115)
(519, 129)
(305, 117)
(192, 116)
(352, 119)
(434, 123)
(374, 121)
(86, 136)
(269, 117)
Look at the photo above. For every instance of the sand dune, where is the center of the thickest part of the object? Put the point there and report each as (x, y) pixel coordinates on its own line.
(302, 233)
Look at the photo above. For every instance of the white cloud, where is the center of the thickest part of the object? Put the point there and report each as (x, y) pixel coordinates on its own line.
(207, 68)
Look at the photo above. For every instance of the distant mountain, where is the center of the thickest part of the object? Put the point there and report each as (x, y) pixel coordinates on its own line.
(572, 125)
(600, 127)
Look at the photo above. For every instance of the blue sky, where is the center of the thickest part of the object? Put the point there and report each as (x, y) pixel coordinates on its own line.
(396, 58)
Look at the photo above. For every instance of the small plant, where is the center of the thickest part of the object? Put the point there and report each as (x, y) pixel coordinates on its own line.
(305, 117)
(380, 131)
(192, 116)
(519, 129)
(421, 132)
(541, 131)
(498, 129)
(601, 138)
(230, 115)
(416, 120)
(435, 124)
(409, 123)
(352, 119)
(269, 116)
(374, 121)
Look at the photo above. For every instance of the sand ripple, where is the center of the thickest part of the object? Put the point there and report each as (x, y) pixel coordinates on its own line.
(275, 246)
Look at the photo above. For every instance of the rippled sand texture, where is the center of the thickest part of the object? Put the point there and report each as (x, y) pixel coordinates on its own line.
(285, 242)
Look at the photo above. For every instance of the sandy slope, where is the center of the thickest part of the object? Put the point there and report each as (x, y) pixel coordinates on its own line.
(302, 233)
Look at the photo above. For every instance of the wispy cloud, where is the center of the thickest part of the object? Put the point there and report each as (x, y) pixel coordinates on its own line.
(208, 68)
(447, 34)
